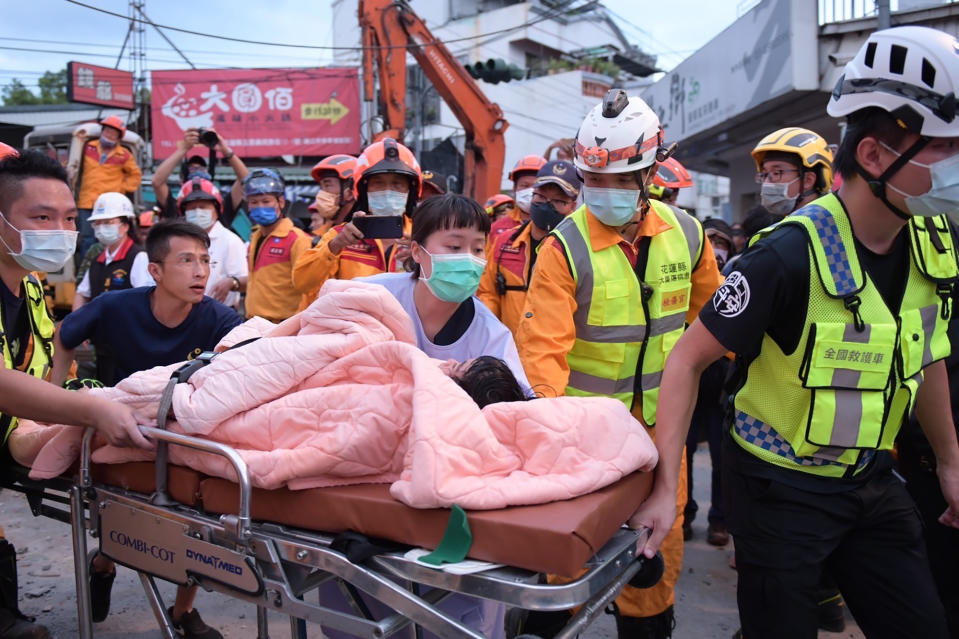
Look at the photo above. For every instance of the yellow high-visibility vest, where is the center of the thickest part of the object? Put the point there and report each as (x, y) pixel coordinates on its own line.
(41, 334)
(844, 392)
(625, 328)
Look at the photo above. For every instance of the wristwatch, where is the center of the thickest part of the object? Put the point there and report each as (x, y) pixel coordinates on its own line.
(236, 284)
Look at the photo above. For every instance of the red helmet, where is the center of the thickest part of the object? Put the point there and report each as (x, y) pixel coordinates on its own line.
(529, 164)
(343, 165)
(672, 175)
(8, 151)
(147, 219)
(199, 189)
(116, 123)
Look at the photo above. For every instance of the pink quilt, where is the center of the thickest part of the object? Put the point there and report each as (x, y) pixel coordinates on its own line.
(339, 394)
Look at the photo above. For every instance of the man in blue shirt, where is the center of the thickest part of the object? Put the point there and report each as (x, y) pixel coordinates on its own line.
(137, 329)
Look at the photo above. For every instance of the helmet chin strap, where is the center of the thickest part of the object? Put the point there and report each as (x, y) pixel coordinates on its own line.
(878, 184)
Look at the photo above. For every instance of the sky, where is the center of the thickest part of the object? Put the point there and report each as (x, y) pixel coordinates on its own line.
(31, 32)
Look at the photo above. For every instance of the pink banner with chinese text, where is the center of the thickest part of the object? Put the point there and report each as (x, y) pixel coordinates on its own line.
(260, 112)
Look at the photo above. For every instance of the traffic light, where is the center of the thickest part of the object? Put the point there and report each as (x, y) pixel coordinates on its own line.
(495, 70)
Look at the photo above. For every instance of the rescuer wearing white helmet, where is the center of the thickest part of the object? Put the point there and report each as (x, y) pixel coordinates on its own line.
(838, 319)
(615, 283)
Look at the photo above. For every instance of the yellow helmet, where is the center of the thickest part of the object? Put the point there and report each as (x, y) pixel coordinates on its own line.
(810, 147)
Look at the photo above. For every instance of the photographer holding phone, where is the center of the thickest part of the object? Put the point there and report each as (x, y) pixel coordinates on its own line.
(375, 238)
(196, 166)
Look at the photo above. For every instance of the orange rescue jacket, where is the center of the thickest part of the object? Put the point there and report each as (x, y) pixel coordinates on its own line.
(118, 172)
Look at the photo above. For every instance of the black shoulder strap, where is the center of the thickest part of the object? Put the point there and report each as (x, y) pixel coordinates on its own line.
(642, 258)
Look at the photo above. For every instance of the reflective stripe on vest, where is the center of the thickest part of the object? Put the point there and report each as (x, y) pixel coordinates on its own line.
(611, 324)
(41, 356)
(853, 378)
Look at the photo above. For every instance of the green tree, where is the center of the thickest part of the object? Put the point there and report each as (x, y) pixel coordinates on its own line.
(16, 94)
(53, 87)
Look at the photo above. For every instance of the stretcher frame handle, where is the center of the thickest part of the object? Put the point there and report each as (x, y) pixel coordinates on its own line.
(180, 376)
(241, 527)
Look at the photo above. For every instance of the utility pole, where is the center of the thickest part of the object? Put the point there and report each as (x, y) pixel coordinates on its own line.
(883, 20)
(137, 37)
(419, 92)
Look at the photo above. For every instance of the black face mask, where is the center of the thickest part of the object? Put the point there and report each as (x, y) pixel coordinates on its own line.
(544, 215)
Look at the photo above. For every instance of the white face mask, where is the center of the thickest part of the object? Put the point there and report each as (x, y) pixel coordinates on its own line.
(387, 202)
(721, 255)
(45, 251)
(524, 197)
(201, 217)
(107, 234)
(942, 196)
(773, 196)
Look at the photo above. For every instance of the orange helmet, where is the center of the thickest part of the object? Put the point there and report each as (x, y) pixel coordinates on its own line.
(8, 151)
(116, 123)
(672, 175)
(387, 156)
(497, 200)
(529, 164)
(344, 166)
(199, 189)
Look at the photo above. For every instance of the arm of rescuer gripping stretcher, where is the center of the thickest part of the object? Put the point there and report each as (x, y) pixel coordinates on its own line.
(28, 397)
(694, 351)
(934, 412)
(62, 361)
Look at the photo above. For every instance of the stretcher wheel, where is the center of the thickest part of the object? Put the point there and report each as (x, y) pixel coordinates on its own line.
(649, 573)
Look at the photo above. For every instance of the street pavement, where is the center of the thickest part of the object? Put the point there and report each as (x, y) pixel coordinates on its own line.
(705, 599)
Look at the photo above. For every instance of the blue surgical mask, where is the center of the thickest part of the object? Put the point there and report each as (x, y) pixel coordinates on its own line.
(45, 251)
(612, 207)
(454, 277)
(943, 196)
(264, 215)
(107, 143)
(387, 202)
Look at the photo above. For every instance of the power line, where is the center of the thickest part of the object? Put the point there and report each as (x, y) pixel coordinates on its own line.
(210, 66)
(74, 53)
(560, 10)
(198, 51)
(546, 16)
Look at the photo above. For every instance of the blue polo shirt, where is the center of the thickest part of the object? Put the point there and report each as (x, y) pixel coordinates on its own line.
(128, 338)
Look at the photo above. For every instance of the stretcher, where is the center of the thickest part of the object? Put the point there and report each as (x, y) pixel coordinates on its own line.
(277, 549)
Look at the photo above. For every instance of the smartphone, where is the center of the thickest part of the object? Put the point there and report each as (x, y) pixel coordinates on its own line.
(380, 226)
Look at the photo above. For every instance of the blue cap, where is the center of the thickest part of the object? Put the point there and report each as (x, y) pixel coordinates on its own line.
(562, 174)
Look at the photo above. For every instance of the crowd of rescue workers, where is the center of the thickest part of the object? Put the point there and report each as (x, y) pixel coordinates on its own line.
(809, 345)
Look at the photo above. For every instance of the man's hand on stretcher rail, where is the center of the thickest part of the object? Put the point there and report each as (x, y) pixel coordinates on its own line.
(27, 397)
(694, 351)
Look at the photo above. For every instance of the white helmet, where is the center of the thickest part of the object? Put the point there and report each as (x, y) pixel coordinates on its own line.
(911, 72)
(620, 135)
(111, 205)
